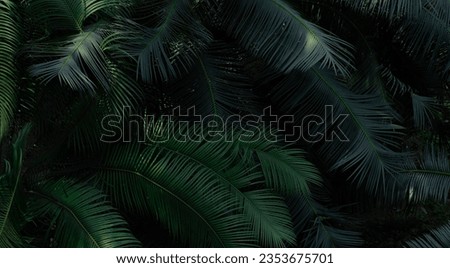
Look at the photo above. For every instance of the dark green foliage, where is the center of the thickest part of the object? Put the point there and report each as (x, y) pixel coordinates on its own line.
(69, 66)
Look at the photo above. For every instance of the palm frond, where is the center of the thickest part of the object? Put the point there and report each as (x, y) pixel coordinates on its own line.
(11, 202)
(166, 51)
(82, 216)
(285, 170)
(437, 238)
(73, 56)
(289, 173)
(315, 225)
(393, 83)
(199, 189)
(124, 91)
(426, 110)
(179, 194)
(365, 148)
(429, 177)
(430, 30)
(9, 44)
(323, 235)
(274, 31)
(71, 14)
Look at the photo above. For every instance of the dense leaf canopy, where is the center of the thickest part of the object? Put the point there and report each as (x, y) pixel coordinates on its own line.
(86, 87)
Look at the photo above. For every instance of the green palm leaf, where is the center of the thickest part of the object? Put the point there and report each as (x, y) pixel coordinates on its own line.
(9, 44)
(315, 225)
(437, 238)
(72, 57)
(179, 194)
(11, 199)
(429, 35)
(367, 150)
(288, 172)
(285, 170)
(201, 190)
(166, 51)
(428, 177)
(124, 91)
(426, 110)
(82, 216)
(274, 31)
(71, 14)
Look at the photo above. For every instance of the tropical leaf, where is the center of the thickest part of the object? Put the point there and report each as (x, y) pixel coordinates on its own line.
(288, 172)
(73, 56)
(437, 238)
(314, 225)
(82, 216)
(366, 138)
(123, 91)
(9, 44)
(430, 31)
(71, 14)
(200, 189)
(164, 52)
(322, 235)
(426, 111)
(285, 170)
(274, 31)
(394, 84)
(11, 199)
(428, 177)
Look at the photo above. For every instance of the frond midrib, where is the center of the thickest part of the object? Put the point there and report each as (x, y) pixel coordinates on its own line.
(63, 206)
(138, 174)
(353, 116)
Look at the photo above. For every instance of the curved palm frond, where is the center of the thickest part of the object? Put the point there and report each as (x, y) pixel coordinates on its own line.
(123, 91)
(71, 14)
(422, 25)
(65, 14)
(274, 31)
(437, 238)
(323, 235)
(430, 177)
(200, 189)
(85, 125)
(164, 52)
(11, 202)
(285, 170)
(369, 135)
(81, 214)
(289, 173)
(72, 57)
(174, 190)
(431, 28)
(315, 225)
(426, 110)
(394, 84)
(9, 44)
